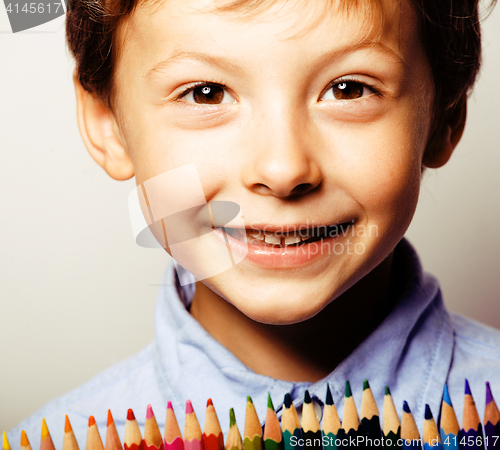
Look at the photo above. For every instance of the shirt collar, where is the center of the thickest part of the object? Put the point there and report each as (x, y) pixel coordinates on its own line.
(410, 351)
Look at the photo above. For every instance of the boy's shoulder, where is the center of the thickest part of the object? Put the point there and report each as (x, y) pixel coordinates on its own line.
(117, 388)
(475, 337)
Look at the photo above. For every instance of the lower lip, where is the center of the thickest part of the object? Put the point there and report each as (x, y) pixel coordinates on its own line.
(291, 256)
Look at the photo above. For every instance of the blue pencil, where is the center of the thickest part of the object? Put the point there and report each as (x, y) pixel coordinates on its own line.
(409, 430)
(449, 427)
(430, 435)
(491, 422)
(471, 436)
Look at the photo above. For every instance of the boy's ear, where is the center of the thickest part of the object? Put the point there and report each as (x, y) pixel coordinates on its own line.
(446, 138)
(101, 134)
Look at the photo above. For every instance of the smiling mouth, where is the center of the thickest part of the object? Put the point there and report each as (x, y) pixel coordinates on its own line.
(287, 238)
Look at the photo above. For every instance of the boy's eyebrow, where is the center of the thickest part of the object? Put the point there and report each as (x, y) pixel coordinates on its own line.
(226, 64)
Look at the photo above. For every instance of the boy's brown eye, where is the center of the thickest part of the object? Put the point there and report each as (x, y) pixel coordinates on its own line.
(348, 90)
(208, 93)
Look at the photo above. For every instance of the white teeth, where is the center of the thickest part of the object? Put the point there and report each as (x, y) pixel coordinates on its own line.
(257, 235)
(305, 237)
(270, 239)
(292, 240)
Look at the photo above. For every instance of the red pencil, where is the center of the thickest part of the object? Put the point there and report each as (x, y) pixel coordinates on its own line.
(69, 441)
(213, 438)
(192, 430)
(133, 437)
(112, 438)
(94, 441)
(173, 436)
(152, 435)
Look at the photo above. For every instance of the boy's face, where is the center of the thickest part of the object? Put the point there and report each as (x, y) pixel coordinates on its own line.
(301, 126)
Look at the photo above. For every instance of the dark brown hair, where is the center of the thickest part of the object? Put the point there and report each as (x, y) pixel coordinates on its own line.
(450, 31)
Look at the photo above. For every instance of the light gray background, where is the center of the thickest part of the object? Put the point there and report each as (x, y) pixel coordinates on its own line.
(76, 293)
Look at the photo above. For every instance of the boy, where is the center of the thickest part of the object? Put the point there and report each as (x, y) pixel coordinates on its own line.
(317, 120)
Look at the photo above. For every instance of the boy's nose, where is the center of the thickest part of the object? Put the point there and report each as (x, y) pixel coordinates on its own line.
(283, 161)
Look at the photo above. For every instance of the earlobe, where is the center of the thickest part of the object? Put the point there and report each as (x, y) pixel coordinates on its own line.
(101, 135)
(439, 151)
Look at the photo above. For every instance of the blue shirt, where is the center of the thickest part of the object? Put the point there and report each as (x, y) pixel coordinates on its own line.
(415, 350)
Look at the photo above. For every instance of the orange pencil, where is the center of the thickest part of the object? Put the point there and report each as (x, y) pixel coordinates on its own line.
(112, 438)
(152, 435)
(192, 431)
(213, 438)
(94, 441)
(5, 443)
(46, 441)
(173, 436)
(25, 443)
(69, 441)
(133, 437)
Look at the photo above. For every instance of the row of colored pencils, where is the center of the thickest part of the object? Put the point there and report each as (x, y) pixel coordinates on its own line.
(294, 433)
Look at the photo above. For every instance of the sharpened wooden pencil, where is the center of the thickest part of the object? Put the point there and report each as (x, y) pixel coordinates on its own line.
(430, 433)
(234, 441)
(213, 439)
(252, 436)
(290, 425)
(69, 441)
(311, 431)
(173, 436)
(472, 432)
(273, 439)
(94, 441)
(409, 430)
(112, 439)
(449, 428)
(351, 427)
(331, 422)
(152, 435)
(370, 422)
(133, 437)
(25, 443)
(46, 441)
(391, 427)
(491, 421)
(192, 430)
(5, 442)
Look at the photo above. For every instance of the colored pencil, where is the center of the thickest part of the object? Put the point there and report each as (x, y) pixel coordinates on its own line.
(69, 441)
(152, 434)
(430, 434)
(213, 439)
(449, 427)
(491, 422)
(234, 441)
(351, 427)
(391, 427)
(25, 443)
(133, 438)
(472, 433)
(370, 422)
(311, 431)
(112, 439)
(252, 439)
(173, 436)
(192, 431)
(409, 430)
(46, 441)
(331, 422)
(273, 439)
(290, 425)
(94, 441)
(5, 443)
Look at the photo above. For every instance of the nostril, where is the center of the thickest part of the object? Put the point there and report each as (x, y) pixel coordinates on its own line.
(302, 188)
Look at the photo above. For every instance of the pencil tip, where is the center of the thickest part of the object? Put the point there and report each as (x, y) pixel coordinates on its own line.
(269, 401)
(406, 407)
(366, 385)
(149, 412)
(169, 405)
(24, 439)
(348, 392)
(467, 387)
(232, 419)
(189, 407)
(307, 397)
(329, 398)
(110, 418)
(446, 395)
(209, 402)
(6, 445)
(288, 400)
(67, 425)
(45, 429)
(91, 421)
(428, 412)
(249, 399)
(387, 390)
(489, 395)
(130, 415)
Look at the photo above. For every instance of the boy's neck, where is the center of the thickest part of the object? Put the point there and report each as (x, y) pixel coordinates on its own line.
(306, 351)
